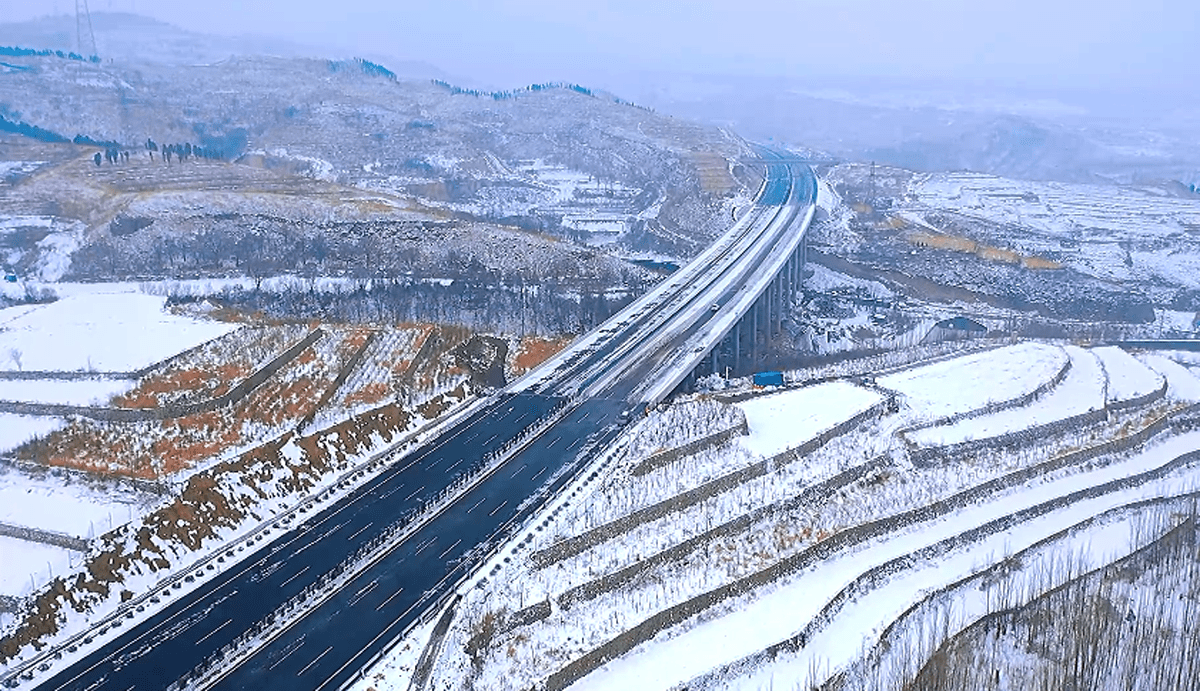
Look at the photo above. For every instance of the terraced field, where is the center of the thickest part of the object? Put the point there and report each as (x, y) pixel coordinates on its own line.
(778, 553)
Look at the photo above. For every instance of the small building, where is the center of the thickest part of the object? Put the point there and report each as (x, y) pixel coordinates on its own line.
(955, 329)
(10, 277)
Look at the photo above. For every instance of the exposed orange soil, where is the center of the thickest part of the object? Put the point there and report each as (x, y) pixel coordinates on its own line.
(210, 382)
(150, 450)
(534, 351)
(371, 393)
(956, 243)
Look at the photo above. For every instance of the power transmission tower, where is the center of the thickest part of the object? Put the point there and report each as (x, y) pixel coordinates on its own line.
(82, 16)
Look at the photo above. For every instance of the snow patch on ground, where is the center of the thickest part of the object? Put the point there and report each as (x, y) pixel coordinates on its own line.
(1182, 384)
(971, 382)
(75, 392)
(18, 429)
(112, 332)
(28, 564)
(53, 501)
(785, 420)
(825, 280)
(1081, 391)
(1127, 378)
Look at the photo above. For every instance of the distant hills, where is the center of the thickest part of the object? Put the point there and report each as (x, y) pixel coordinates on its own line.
(126, 37)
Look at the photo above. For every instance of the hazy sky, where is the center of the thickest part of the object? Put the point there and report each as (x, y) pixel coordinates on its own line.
(1054, 43)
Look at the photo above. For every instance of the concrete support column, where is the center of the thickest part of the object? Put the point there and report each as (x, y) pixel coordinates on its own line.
(774, 305)
(754, 335)
(737, 343)
(778, 306)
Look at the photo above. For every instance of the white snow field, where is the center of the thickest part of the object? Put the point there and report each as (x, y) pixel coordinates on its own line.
(105, 332)
(1182, 384)
(55, 503)
(81, 392)
(26, 565)
(1127, 378)
(1081, 391)
(1108, 216)
(968, 383)
(18, 429)
(778, 613)
(783, 421)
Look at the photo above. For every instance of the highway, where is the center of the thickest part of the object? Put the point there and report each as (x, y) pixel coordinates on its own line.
(577, 402)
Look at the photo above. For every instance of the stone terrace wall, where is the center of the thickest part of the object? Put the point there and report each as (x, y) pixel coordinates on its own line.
(167, 412)
(858, 535)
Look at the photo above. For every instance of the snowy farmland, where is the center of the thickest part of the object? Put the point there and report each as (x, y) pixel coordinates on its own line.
(292, 407)
(1112, 232)
(726, 570)
(81, 392)
(99, 332)
(782, 421)
(946, 388)
(1081, 391)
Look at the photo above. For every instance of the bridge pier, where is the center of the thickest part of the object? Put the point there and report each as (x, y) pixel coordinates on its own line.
(737, 344)
(741, 351)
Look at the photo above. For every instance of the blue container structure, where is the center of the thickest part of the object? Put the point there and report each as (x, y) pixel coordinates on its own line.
(768, 378)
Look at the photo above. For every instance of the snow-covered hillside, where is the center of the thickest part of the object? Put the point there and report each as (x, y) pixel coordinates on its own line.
(743, 568)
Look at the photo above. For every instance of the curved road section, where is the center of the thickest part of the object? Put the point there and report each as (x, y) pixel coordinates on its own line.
(491, 470)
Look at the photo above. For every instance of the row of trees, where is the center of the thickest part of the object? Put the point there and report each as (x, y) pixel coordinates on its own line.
(366, 66)
(525, 311)
(532, 88)
(112, 155)
(19, 52)
(114, 152)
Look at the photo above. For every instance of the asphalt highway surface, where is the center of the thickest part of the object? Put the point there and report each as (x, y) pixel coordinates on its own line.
(333, 640)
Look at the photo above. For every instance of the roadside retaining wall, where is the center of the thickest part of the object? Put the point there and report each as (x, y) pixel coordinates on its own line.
(429, 655)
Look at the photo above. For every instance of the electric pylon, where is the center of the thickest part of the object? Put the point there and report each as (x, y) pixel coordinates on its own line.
(84, 17)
